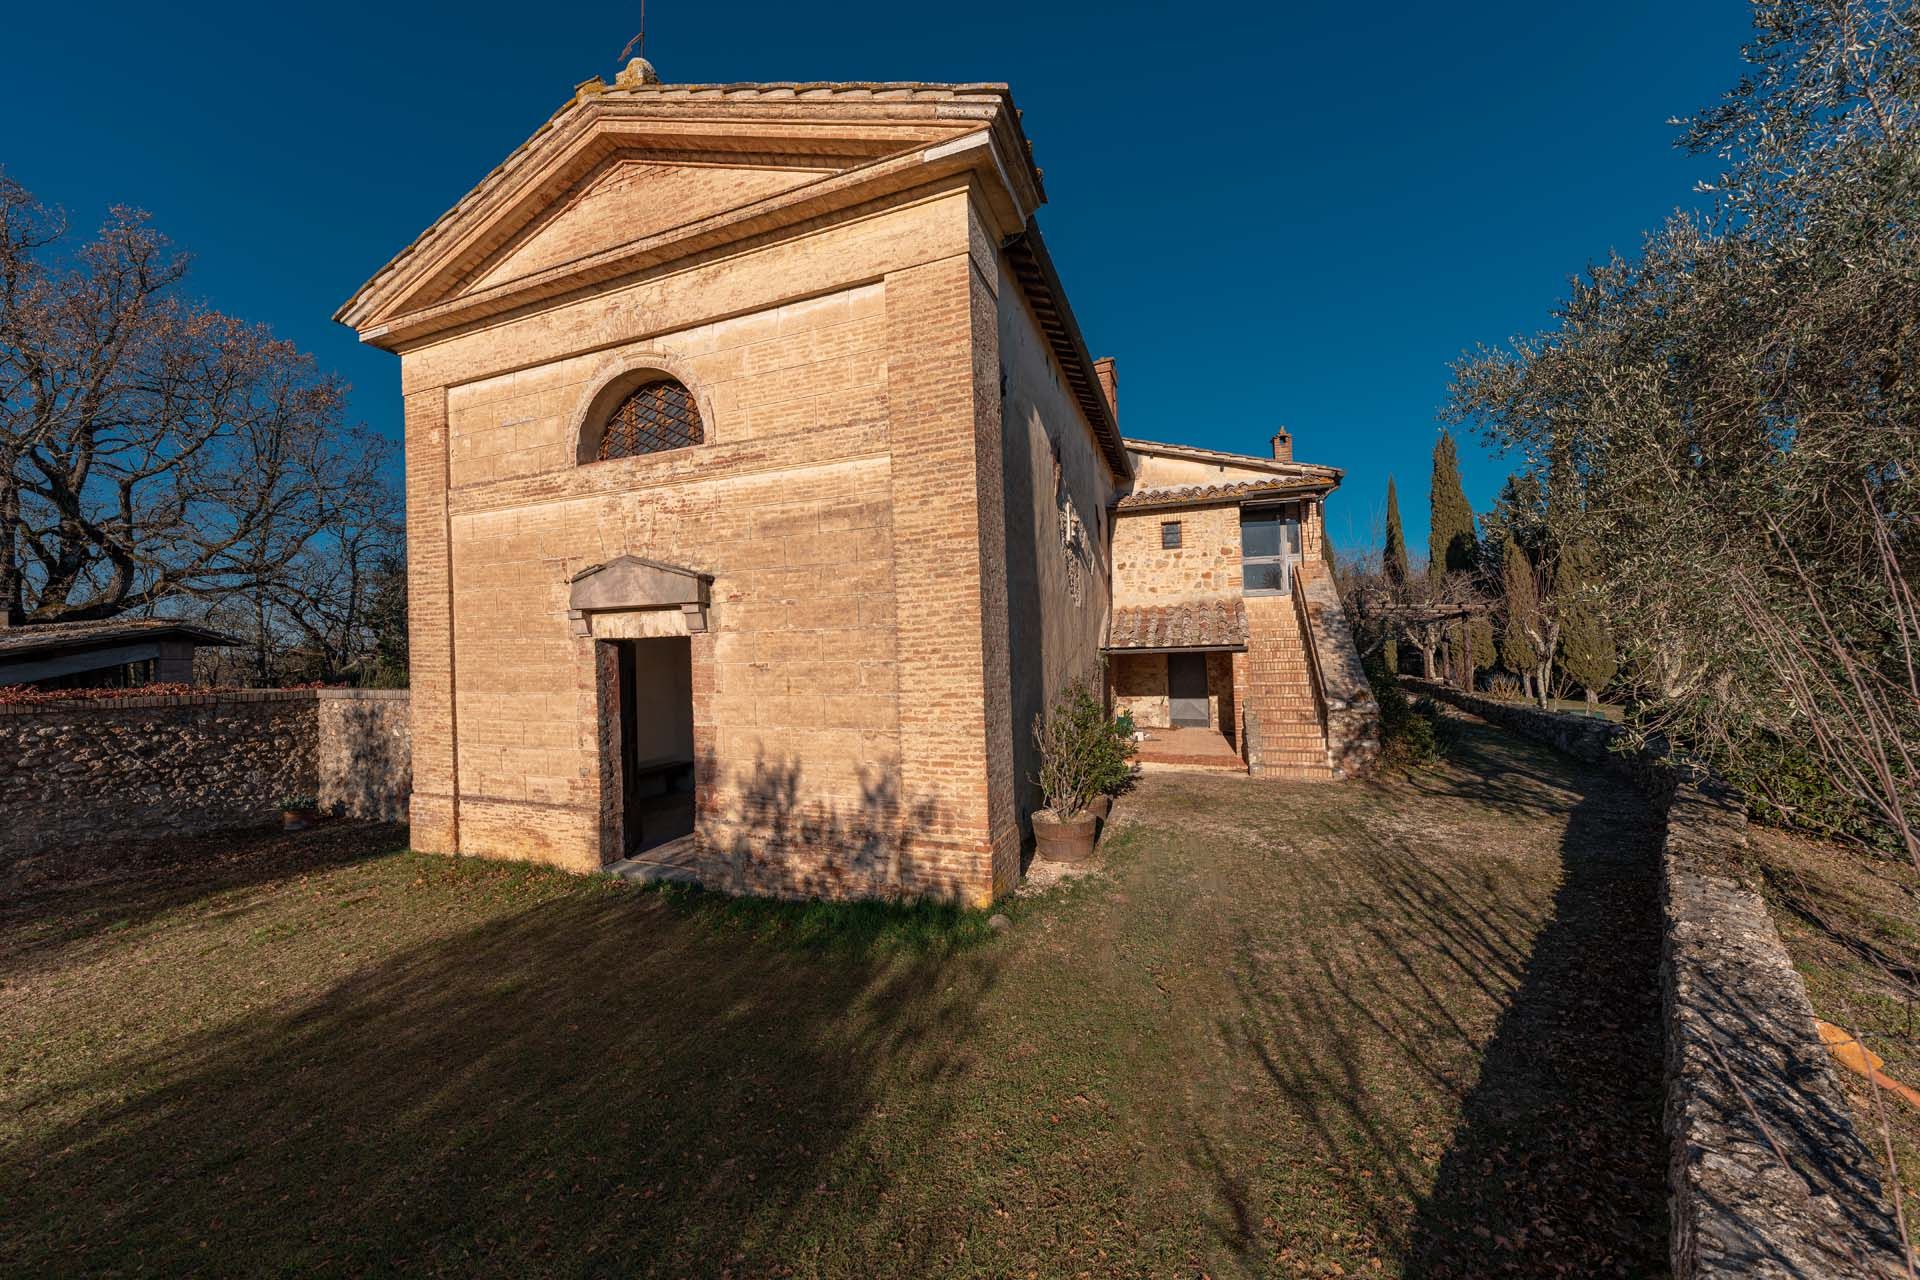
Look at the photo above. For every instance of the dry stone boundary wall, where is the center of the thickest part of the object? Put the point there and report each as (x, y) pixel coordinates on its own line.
(1767, 1174)
(89, 770)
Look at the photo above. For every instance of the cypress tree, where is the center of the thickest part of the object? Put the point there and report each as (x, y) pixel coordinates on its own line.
(1393, 558)
(1480, 643)
(1522, 607)
(1393, 562)
(1587, 653)
(1452, 546)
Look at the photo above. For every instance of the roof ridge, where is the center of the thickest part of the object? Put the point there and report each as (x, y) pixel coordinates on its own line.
(1254, 459)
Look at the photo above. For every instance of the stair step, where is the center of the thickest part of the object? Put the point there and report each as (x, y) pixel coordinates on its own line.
(1297, 773)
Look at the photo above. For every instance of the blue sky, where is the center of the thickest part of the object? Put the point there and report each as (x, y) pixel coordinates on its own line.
(1270, 214)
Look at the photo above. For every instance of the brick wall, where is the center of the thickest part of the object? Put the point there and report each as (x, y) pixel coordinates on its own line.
(853, 723)
(1057, 489)
(106, 769)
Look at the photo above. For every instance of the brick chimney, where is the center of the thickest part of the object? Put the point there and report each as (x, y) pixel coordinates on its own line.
(1282, 446)
(1109, 376)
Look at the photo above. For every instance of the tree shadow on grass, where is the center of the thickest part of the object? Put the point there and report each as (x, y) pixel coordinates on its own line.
(599, 1084)
(56, 901)
(1472, 1039)
(1559, 1164)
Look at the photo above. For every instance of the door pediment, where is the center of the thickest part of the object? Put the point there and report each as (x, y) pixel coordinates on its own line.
(634, 584)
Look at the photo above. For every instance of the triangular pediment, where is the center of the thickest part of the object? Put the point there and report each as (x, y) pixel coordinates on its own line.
(621, 182)
(628, 199)
(634, 582)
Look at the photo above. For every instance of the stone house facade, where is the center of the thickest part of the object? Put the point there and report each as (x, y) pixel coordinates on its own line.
(1228, 642)
(760, 489)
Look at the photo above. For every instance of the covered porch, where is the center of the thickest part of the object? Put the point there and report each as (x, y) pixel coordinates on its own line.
(1180, 671)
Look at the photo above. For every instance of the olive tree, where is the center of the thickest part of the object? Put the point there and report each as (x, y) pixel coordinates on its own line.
(1738, 408)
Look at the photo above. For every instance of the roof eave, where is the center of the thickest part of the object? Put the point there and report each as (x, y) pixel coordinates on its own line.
(1199, 453)
(1038, 278)
(1131, 504)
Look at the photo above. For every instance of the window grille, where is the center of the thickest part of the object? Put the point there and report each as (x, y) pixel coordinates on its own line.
(1169, 535)
(652, 418)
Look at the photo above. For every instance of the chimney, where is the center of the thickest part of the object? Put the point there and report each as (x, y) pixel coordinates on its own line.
(1109, 376)
(1282, 446)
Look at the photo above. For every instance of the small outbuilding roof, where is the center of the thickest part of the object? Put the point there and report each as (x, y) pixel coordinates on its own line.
(49, 637)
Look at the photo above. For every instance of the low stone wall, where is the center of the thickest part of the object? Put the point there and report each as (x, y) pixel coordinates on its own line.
(1768, 1175)
(1586, 738)
(85, 770)
(1353, 717)
(363, 756)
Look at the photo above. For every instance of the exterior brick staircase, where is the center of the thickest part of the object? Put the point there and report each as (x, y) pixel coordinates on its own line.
(1284, 729)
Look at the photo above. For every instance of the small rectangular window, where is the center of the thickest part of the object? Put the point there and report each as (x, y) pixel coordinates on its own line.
(1170, 534)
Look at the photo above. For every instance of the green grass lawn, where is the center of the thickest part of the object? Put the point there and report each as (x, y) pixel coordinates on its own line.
(1399, 1028)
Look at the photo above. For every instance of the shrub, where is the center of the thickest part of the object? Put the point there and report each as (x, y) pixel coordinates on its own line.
(1505, 687)
(1083, 753)
(1407, 737)
(1788, 785)
(1114, 772)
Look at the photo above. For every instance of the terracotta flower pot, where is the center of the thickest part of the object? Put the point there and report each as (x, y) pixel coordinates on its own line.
(1058, 839)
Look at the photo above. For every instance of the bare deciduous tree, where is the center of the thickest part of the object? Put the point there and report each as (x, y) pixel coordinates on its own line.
(151, 448)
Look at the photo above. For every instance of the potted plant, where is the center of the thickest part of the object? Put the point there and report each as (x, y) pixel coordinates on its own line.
(297, 811)
(1113, 771)
(1078, 744)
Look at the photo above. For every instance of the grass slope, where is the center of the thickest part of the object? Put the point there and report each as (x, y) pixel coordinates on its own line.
(1406, 1027)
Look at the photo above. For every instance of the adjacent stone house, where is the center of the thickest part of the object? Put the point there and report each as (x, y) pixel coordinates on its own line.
(760, 489)
(1228, 642)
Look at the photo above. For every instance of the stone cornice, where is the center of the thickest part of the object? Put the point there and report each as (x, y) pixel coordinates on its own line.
(1033, 269)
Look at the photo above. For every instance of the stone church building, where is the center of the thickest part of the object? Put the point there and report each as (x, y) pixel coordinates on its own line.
(761, 490)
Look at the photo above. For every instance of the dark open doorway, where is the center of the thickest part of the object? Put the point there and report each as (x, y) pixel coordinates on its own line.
(1187, 690)
(656, 743)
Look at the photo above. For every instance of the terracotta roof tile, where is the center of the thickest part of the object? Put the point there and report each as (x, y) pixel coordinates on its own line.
(1201, 494)
(1198, 624)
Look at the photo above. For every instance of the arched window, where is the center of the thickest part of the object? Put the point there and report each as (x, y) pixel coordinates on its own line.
(653, 416)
